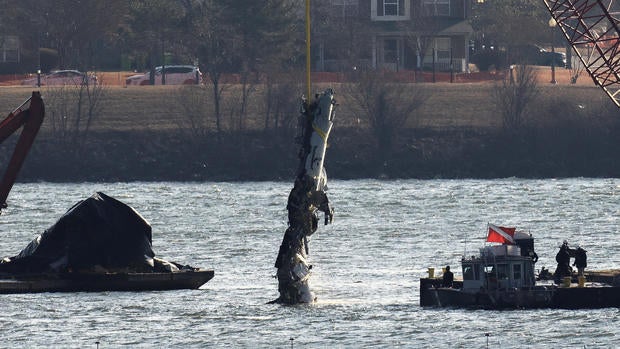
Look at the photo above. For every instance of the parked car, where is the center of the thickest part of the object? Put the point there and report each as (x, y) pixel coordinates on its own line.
(536, 55)
(175, 75)
(62, 77)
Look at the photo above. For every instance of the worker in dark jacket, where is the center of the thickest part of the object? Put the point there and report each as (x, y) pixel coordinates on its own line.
(563, 259)
(448, 278)
(581, 260)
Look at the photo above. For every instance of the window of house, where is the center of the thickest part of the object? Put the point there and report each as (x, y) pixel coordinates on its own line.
(9, 49)
(436, 7)
(390, 51)
(390, 7)
(345, 8)
(442, 48)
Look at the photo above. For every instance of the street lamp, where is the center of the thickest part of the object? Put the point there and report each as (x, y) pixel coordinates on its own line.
(39, 59)
(552, 25)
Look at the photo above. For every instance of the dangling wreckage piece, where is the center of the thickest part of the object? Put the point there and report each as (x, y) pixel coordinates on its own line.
(305, 199)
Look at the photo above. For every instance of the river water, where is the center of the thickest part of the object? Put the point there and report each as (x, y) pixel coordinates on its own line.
(366, 265)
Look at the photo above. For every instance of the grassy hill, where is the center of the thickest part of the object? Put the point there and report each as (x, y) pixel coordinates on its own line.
(143, 133)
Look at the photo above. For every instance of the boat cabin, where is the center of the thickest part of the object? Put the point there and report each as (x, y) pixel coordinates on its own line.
(501, 266)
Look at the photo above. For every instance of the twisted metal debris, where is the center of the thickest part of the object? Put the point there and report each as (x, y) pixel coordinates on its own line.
(305, 200)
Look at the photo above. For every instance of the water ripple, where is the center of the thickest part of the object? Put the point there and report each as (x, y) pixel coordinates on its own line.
(367, 265)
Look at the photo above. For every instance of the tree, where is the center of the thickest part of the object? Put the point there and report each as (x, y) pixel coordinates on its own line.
(510, 23)
(421, 33)
(514, 97)
(156, 29)
(387, 107)
(341, 34)
(238, 36)
(263, 34)
(72, 27)
(193, 101)
(72, 110)
(281, 100)
(206, 31)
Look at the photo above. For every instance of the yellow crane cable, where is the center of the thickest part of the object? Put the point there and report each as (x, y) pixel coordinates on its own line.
(308, 82)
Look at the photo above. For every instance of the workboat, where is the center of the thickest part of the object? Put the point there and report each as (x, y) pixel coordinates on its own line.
(100, 244)
(503, 276)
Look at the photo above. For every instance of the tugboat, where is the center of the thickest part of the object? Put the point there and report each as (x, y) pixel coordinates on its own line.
(502, 276)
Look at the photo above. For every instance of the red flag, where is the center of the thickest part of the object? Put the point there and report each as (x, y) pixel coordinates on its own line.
(501, 234)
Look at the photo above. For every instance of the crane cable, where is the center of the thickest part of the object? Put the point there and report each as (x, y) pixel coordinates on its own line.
(308, 81)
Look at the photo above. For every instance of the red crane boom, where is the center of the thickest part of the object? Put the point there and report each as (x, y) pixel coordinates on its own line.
(31, 120)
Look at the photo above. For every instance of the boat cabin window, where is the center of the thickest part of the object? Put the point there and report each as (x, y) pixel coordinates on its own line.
(471, 272)
(499, 271)
(502, 271)
(468, 272)
(516, 271)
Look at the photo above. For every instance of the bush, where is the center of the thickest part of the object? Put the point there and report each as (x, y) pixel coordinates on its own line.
(487, 58)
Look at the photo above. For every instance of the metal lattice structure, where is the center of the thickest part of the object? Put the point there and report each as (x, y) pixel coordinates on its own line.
(592, 29)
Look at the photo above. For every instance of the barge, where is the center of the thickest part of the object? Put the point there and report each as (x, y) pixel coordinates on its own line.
(100, 244)
(106, 281)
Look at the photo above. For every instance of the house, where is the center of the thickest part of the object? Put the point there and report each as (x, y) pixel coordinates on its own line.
(399, 35)
(9, 49)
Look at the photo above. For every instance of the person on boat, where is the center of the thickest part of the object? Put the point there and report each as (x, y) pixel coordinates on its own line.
(544, 274)
(448, 278)
(581, 260)
(563, 259)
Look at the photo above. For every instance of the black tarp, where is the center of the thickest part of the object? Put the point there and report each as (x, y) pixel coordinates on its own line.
(99, 233)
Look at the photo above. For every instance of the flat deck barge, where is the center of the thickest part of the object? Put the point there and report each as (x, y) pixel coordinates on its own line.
(96, 282)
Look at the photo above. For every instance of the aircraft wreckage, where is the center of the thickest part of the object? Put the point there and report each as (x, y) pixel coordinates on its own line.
(305, 200)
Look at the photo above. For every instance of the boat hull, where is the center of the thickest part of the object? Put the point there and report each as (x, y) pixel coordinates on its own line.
(552, 296)
(97, 282)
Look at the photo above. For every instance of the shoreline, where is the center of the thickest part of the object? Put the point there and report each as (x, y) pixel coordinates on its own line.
(140, 136)
(456, 154)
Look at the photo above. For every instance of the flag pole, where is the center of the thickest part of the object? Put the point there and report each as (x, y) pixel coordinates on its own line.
(308, 82)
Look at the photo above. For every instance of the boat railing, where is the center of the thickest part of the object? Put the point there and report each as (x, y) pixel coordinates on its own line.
(501, 250)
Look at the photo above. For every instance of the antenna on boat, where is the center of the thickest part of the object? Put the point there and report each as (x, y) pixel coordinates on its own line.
(465, 247)
(308, 63)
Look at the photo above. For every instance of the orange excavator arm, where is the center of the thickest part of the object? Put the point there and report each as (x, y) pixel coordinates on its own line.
(31, 120)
